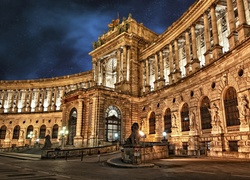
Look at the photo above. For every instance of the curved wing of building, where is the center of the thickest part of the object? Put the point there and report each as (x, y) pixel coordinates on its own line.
(191, 82)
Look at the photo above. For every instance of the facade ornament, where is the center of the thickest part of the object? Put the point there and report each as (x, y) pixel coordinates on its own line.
(216, 122)
(244, 110)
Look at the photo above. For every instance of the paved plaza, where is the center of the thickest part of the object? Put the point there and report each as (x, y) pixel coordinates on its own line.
(96, 168)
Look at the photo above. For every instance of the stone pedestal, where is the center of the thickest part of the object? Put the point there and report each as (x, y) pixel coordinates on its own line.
(132, 154)
(78, 142)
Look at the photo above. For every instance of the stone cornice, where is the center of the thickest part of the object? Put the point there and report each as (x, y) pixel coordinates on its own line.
(178, 27)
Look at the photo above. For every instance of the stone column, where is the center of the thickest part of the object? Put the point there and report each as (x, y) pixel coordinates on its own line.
(147, 87)
(15, 110)
(118, 57)
(217, 49)
(195, 60)
(161, 80)
(53, 108)
(171, 64)
(124, 58)
(3, 101)
(37, 101)
(29, 101)
(78, 137)
(208, 53)
(24, 101)
(128, 62)
(232, 38)
(243, 29)
(11, 101)
(49, 99)
(156, 71)
(188, 65)
(177, 72)
(41, 102)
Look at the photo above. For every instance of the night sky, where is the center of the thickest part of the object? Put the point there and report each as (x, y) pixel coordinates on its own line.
(50, 38)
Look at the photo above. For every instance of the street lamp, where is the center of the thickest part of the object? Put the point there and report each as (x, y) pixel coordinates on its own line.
(64, 132)
(143, 135)
(164, 135)
(30, 136)
(116, 139)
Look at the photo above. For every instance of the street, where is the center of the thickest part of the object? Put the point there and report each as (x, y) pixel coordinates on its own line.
(93, 168)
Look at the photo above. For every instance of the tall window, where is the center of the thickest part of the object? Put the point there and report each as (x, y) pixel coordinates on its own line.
(205, 114)
(72, 126)
(3, 132)
(16, 132)
(167, 121)
(152, 123)
(55, 131)
(113, 124)
(230, 105)
(42, 132)
(185, 117)
(29, 129)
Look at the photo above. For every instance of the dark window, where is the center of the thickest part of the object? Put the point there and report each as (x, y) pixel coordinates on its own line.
(16, 132)
(185, 118)
(230, 105)
(2, 132)
(72, 127)
(167, 121)
(205, 114)
(233, 146)
(113, 128)
(29, 129)
(55, 131)
(152, 123)
(42, 132)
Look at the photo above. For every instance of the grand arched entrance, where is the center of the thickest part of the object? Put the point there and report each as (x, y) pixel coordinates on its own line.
(113, 124)
(72, 126)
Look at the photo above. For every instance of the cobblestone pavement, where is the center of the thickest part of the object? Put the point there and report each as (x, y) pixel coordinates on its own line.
(95, 168)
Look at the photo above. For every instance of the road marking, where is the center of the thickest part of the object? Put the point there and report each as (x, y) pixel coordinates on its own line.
(202, 172)
(241, 175)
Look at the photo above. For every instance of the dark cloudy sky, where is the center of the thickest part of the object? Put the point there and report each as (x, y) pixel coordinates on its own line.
(49, 38)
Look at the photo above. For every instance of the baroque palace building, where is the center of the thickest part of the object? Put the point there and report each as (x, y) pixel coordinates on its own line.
(192, 81)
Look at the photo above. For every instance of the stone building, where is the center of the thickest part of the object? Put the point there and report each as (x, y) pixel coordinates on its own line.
(192, 81)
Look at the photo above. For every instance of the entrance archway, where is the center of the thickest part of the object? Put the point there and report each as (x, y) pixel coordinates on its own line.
(72, 126)
(113, 124)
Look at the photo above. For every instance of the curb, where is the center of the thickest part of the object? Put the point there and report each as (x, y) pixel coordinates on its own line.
(116, 162)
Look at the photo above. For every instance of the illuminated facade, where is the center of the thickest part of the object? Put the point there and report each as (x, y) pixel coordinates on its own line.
(192, 81)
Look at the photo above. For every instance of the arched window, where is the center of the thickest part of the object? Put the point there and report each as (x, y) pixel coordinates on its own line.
(230, 105)
(42, 132)
(167, 121)
(185, 117)
(152, 123)
(113, 124)
(3, 132)
(72, 126)
(55, 131)
(205, 114)
(29, 129)
(16, 132)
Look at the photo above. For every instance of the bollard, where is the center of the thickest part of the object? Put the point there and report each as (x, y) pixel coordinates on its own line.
(82, 156)
(99, 158)
(66, 156)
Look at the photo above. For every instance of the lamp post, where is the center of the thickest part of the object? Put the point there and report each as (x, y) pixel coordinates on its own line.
(164, 136)
(30, 136)
(64, 132)
(143, 135)
(116, 139)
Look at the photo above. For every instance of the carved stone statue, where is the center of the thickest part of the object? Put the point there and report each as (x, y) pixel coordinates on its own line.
(214, 111)
(134, 137)
(244, 110)
(47, 144)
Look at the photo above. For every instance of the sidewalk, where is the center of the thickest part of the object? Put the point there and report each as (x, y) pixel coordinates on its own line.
(22, 156)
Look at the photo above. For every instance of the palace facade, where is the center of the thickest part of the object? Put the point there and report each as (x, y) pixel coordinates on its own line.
(192, 82)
